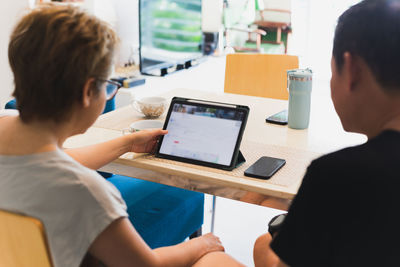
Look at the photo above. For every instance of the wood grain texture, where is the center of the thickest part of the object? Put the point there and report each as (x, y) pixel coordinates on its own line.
(22, 241)
(284, 184)
(261, 75)
(297, 147)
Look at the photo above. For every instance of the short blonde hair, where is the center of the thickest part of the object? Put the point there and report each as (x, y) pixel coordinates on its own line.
(53, 51)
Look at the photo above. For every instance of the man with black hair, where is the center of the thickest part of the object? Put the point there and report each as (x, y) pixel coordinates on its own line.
(345, 211)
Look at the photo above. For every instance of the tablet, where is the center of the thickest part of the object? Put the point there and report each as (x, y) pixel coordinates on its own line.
(203, 132)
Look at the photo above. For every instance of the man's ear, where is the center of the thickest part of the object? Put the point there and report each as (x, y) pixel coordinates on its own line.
(88, 93)
(351, 69)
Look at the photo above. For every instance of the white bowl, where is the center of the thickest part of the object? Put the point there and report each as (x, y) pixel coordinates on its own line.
(151, 107)
(145, 125)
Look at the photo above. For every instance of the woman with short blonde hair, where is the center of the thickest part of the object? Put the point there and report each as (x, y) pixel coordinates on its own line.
(61, 58)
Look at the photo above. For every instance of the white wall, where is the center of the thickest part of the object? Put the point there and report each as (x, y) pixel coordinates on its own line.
(127, 12)
(313, 31)
(123, 15)
(212, 11)
(10, 11)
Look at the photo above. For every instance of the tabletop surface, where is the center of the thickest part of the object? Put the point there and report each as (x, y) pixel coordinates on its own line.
(297, 147)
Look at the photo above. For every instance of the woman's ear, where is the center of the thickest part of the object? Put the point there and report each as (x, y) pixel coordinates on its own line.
(88, 93)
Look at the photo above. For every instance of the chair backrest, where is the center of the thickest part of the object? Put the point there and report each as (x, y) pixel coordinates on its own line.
(274, 11)
(284, 5)
(110, 105)
(22, 241)
(259, 74)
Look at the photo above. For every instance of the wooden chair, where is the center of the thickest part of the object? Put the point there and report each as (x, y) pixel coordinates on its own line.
(259, 33)
(259, 74)
(275, 15)
(22, 241)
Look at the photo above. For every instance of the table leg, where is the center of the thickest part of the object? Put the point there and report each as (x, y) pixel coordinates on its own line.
(214, 200)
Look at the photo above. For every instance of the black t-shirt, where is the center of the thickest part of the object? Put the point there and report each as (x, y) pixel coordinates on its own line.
(347, 210)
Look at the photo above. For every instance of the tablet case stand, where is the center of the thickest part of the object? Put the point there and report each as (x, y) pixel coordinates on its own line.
(240, 160)
(197, 102)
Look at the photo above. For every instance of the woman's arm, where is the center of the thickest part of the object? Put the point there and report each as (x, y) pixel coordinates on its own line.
(96, 156)
(120, 245)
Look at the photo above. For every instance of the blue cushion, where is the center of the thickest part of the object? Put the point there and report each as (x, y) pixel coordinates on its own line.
(12, 104)
(163, 215)
(110, 105)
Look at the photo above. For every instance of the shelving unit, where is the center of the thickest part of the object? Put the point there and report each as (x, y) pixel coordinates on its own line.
(172, 25)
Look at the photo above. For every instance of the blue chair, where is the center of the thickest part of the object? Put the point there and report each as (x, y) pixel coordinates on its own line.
(162, 215)
(12, 104)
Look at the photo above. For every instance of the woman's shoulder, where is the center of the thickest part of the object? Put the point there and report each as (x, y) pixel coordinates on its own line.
(5, 113)
(64, 181)
(54, 170)
(8, 112)
(87, 182)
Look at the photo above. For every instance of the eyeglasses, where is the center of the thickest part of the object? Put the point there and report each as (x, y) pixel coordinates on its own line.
(111, 88)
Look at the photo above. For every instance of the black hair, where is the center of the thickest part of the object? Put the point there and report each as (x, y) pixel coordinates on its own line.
(371, 31)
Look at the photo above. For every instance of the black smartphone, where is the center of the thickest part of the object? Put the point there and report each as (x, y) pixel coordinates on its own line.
(280, 118)
(264, 167)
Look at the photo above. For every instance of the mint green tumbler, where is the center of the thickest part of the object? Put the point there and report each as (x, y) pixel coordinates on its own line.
(299, 86)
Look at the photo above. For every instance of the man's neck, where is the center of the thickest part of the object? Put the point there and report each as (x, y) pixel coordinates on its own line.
(388, 118)
(393, 124)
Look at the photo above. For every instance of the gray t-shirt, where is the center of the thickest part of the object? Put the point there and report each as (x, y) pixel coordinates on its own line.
(74, 203)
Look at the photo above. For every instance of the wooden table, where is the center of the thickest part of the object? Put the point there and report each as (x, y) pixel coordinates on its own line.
(297, 147)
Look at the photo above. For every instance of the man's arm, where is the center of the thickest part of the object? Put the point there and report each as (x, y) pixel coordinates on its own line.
(304, 238)
(263, 255)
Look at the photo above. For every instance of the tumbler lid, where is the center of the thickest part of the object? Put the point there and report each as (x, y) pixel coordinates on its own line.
(303, 74)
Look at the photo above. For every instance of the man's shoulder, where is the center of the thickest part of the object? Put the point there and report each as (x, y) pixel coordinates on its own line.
(345, 156)
(361, 160)
(386, 143)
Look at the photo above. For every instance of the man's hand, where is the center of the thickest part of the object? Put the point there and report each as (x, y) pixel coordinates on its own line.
(145, 141)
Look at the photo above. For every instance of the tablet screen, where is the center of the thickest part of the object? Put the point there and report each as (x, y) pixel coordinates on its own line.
(201, 133)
